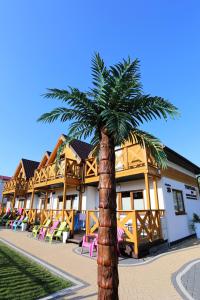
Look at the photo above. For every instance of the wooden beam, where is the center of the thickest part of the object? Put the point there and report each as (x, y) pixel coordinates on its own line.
(132, 200)
(119, 200)
(64, 199)
(80, 199)
(13, 202)
(46, 201)
(135, 235)
(147, 191)
(155, 188)
(179, 176)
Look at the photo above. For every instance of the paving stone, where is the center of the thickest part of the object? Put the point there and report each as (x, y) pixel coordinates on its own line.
(191, 281)
(151, 281)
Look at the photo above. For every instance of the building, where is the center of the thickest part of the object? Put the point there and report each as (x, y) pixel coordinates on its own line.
(3, 180)
(152, 205)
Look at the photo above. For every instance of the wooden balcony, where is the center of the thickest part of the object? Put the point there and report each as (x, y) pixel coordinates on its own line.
(58, 172)
(129, 160)
(16, 186)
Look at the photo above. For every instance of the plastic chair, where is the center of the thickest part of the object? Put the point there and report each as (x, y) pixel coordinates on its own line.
(16, 223)
(44, 230)
(51, 231)
(89, 242)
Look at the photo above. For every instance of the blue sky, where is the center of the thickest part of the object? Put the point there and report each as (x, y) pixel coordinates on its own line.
(50, 44)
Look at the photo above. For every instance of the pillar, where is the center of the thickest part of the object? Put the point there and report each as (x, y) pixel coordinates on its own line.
(147, 190)
(155, 188)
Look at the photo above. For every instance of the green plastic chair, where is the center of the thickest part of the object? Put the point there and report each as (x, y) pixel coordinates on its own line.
(37, 228)
(58, 232)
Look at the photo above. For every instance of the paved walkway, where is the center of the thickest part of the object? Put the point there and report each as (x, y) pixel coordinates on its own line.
(150, 281)
(187, 280)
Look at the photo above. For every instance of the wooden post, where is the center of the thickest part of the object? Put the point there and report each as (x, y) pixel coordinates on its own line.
(64, 199)
(46, 201)
(80, 200)
(87, 222)
(119, 201)
(132, 200)
(13, 204)
(135, 235)
(73, 215)
(147, 191)
(155, 188)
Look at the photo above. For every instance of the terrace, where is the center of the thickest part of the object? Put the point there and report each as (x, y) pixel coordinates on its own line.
(15, 186)
(142, 228)
(58, 172)
(131, 160)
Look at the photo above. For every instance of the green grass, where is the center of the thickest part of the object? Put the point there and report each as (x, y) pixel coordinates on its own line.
(21, 278)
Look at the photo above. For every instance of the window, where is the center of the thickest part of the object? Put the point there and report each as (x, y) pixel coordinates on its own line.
(72, 202)
(126, 201)
(130, 200)
(138, 200)
(178, 202)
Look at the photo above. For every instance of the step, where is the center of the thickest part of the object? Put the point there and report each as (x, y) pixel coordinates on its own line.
(75, 241)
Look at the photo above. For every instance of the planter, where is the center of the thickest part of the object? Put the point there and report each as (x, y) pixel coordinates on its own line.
(24, 226)
(197, 229)
(65, 236)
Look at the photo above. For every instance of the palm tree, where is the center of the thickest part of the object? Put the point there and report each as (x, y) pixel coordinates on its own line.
(110, 113)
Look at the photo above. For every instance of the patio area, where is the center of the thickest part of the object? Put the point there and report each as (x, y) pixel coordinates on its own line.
(145, 280)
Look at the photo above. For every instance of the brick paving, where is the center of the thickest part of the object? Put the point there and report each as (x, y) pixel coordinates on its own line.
(150, 281)
(191, 281)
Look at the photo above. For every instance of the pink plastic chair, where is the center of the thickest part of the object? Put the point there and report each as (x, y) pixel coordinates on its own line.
(89, 242)
(43, 230)
(120, 238)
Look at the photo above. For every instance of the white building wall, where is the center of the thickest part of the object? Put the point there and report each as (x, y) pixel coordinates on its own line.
(178, 226)
(91, 197)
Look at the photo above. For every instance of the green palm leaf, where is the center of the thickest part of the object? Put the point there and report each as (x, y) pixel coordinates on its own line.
(115, 102)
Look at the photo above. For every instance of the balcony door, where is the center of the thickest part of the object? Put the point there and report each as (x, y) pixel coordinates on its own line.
(72, 202)
(130, 200)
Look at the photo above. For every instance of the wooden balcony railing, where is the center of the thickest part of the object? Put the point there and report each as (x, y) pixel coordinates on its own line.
(138, 225)
(18, 184)
(128, 157)
(68, 168)
(30, 184)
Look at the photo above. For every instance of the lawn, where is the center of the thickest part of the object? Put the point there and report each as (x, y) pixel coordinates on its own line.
(21, 278)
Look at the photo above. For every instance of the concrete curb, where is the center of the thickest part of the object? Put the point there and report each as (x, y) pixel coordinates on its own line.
(77, 283)
(146, 262)
(177, 282)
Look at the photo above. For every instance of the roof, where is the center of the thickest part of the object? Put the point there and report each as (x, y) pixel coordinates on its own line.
(48, 153)
(43, 161)
(5, 178)
(29, 167)
(178, 159)
(83, 149)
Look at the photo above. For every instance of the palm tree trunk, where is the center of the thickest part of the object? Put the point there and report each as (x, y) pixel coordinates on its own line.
(108, 280)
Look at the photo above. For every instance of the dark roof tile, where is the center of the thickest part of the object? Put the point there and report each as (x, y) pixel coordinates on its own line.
(29, 167)
(83, 149)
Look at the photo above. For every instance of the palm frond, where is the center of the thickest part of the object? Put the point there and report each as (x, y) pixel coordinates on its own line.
(147, 108)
